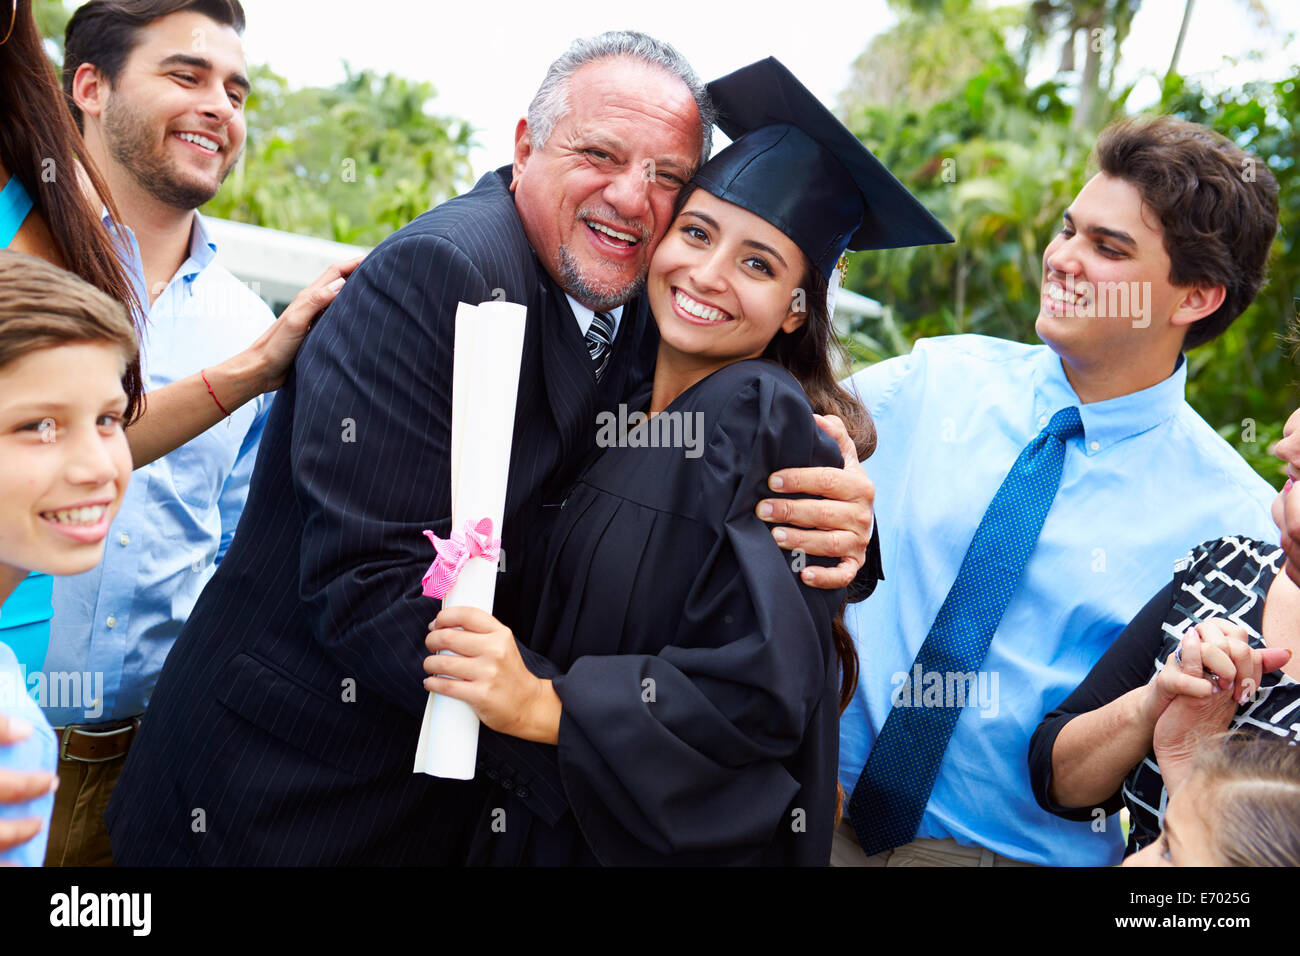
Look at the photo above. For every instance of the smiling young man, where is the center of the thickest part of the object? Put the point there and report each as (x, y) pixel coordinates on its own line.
(1034, 497)
(290, 709)
(159, 89)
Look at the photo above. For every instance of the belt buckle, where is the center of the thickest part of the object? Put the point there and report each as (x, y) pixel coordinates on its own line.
(67, 735)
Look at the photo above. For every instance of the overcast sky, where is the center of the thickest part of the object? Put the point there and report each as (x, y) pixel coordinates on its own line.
(486, 58)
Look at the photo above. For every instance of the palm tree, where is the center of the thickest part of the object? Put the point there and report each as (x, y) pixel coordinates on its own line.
(1105, 25)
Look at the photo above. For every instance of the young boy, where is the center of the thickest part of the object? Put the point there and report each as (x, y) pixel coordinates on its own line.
(64, 347)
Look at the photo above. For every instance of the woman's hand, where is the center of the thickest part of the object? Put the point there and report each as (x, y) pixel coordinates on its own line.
(492, 677)
(19, 787)
(842, 523)
(1218, 671)
(274, 350)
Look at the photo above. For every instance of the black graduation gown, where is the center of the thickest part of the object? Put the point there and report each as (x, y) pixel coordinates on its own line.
(697, 672)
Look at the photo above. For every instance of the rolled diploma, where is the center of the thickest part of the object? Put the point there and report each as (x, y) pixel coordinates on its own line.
(485, 382)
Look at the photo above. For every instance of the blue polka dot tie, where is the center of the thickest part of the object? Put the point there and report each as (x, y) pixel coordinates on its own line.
(894, 788)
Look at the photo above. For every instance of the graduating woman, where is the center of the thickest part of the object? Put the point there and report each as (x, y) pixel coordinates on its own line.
(677, 699)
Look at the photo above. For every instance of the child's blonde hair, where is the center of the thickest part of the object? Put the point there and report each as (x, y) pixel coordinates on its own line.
(1252, 783)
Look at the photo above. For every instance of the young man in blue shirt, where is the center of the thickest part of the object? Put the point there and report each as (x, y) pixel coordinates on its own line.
(984, 622)
(160, 96)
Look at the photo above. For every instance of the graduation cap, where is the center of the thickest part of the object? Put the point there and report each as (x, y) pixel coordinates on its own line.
(795, 165)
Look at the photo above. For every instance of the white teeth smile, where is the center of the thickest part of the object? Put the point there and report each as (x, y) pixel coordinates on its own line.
(699, 309)
(87, 516)
(1058, 294)
(614, 233)
(198, 140)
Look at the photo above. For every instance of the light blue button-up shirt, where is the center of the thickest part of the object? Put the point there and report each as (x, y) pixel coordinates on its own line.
(38, 752)
(1148, 480)
(113, 625)
(128, 250)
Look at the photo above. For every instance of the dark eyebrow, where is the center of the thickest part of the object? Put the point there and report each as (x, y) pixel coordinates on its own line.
(1116, 234)
(768, 249)
(706, 219)
(202, 63)
(762, 246)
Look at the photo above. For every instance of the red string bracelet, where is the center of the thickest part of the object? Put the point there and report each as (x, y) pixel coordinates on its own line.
(212, 393)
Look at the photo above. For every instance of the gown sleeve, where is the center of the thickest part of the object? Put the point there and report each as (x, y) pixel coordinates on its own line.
(690, 751)
(872, 571)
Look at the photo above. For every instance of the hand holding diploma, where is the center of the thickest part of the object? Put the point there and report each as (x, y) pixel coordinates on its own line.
(489, 675)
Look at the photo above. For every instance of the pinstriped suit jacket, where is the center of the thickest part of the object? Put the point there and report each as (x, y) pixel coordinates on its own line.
(283, 727)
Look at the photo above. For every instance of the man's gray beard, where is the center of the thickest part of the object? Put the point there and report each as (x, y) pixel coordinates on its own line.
(129, 139)
(574, 283)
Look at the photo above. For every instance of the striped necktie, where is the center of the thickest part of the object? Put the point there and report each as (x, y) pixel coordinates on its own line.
(894, 788)
(599, 338)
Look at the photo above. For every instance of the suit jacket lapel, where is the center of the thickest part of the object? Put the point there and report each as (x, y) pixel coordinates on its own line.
(570, 382)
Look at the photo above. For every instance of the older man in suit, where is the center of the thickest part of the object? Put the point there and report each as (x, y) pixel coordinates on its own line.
(283, 727)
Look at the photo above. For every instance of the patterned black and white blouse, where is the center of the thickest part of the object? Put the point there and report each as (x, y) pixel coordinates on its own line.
(1227, 579)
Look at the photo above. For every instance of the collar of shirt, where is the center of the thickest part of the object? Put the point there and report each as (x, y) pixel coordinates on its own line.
(202, 251)
(584, 315)
(1109, 422)
(128, 251)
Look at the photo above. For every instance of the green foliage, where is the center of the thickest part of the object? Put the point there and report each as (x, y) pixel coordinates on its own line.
(998, 161)
(1248, 376)
(351, 162)
(51, 20)
(1102, 25)
(929, 54)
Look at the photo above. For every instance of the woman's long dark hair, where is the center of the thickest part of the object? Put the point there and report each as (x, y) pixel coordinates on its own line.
(810, 354)
(40, 145)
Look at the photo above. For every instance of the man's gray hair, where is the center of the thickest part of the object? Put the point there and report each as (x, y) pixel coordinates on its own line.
(552, 99)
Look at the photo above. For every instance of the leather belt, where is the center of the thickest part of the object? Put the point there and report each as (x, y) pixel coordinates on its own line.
(96, 743)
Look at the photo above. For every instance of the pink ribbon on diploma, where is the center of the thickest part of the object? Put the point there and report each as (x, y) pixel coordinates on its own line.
(475, 541)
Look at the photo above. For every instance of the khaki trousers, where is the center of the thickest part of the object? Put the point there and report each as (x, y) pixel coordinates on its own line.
(78, 835)
(846, 851)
